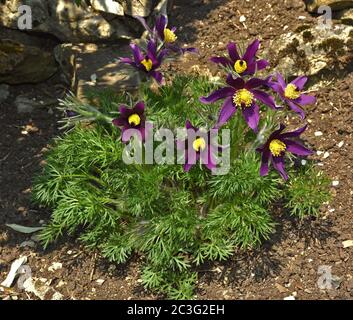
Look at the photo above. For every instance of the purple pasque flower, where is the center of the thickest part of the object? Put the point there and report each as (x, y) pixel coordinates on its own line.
(247, 64)
(149, 62)
(164, 34)
(243, 95)
(277, 145)
(198, 145)
(291, 93)
(131, 118)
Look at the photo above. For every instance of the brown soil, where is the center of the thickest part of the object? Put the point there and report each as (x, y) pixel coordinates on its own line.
(286, 265)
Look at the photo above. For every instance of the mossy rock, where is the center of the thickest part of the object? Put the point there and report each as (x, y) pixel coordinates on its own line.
(314, 52)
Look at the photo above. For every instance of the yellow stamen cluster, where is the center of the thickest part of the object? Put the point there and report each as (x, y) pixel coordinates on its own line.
(291, 92)
(169, 36)
(240, 66)
(243, 97)
(198, 144)
(277, 147)
(147, 63)
(134, 120)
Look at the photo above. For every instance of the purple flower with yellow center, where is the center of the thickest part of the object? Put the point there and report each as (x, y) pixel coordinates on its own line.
(198, 146)
(275, 148)
(149, 62)
(247, 64)
(131, 118)
(243, 95)
(164, 34)
(291, 93)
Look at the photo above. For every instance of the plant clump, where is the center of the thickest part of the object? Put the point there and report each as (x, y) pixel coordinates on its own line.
(175, 213)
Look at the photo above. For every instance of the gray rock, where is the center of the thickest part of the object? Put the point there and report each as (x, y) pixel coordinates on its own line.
(110, 6)
(20, 63)
(313, 5)
(92, 66)
(4, 92)
(62, 19)
(346, 16)
(314, 52)
(138, 7)
(24, 104)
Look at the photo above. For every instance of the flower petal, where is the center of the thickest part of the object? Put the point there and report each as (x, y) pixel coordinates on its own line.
(191, 158)
(264, 163)
(281, 81)
(188, 126)
(124, 111)
(207, 158)
(162, 54)
(251, 69)
(142, 131)
(126, 61)
(227, 111)
(296, 108)
(161, 23)
(127, 133)
(295, 133)
(265, 98)
(251, 51)
(237, 83)
(277, 133)
(144, 23)
(233, 51)
(221, 60)
(278, 164)
(255, 83)
(157, 76)
(119, 122)
(218, 95)
(136, 51)
(305, 99)
(276, 87)
(297, 148)
(152, 52)
(252, 116)
(262, 64)
(140, 108)
(300, 82)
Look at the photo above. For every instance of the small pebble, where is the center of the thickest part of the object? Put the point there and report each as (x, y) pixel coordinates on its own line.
(335, 183)
(242, 19)
(318, 134)
(326, 155)
(93, 77)
(340, 145)
(55, 266)
(100, 281)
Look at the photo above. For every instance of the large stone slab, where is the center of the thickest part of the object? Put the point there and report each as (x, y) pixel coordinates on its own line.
(313, 5)
(66, 21)
(109, 6)
(315, 52)
(21, 63)
(92, 66)
(138, 7)
(346, 16)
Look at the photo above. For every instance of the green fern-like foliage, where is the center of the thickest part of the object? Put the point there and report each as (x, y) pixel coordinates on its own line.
(175, 220)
